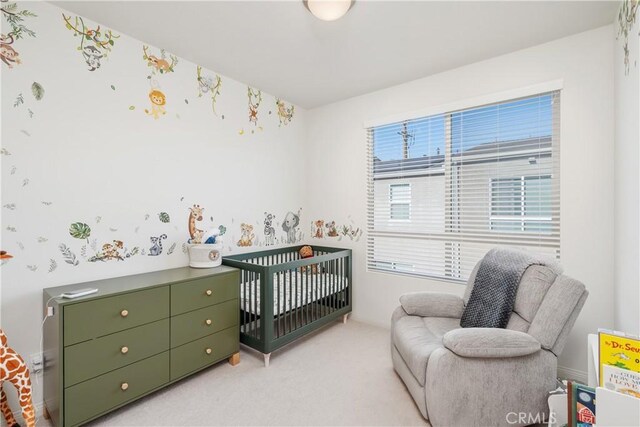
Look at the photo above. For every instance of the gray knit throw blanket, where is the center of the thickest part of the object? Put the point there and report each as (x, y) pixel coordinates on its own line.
(494, 292)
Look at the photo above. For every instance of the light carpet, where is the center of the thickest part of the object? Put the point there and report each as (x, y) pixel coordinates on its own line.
(341, 375)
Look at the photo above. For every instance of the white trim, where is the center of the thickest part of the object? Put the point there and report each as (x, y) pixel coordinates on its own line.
(572, 374)
(477, 101)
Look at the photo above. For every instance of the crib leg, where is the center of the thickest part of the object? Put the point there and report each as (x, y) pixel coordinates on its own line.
(234, 359)
(344, 318)
(266, 359)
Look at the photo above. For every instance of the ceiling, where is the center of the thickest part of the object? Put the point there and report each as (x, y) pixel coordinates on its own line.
(279, 47)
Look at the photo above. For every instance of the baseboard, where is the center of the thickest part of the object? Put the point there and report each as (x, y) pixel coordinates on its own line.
(572, 374)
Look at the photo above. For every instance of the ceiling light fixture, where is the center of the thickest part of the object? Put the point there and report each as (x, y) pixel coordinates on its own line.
(328, 10)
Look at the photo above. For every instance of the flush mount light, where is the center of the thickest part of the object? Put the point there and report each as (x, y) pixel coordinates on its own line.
(328, 10)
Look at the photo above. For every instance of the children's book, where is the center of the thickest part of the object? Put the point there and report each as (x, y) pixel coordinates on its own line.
(582, 405)
(621, 380)
(621, 352)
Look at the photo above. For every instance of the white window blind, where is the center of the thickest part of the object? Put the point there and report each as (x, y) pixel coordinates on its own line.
(445, 189)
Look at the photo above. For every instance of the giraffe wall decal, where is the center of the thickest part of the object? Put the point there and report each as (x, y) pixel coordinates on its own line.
(195, 215)
(14, 369)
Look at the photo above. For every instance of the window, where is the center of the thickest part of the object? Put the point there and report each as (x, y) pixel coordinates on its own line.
(521, 204)
(400, 201)
(444, 189)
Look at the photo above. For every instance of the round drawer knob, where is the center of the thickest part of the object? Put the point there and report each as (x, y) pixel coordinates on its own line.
(208, 351)
(124, 386)
(124, 350)
(208, 321)
(124, 313)
(209, 292)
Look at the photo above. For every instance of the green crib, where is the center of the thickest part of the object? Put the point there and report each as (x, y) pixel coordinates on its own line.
(284, 297)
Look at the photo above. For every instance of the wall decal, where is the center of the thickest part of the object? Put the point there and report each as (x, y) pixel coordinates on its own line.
(25, 182)
(32, 267)
(195, 214)
(158, 101)
(30, 113)
(19, 101)
(13, 170)
(80, 230)
(285, 114)
(52, 265)
(42, 239)
(68, 256)
(208, 84)
(20, 245)
(10, 206)
(290, 226)
(15, 18)
(37, 90)
(25, 132)
(332, 230)
(350, 232)
(46, 203)
(98, 219)
(5, 255)
(626, 20)
(185, 248)
(164, 217)
(317, 229)
(113, 251)
(171, 248)
(246, 235)
(12, 229)
(83, 251)
(156, 249)
(255, 98)
(113, 229)
(95, 45)
(4, 152)
(269, 230)
(159, 65)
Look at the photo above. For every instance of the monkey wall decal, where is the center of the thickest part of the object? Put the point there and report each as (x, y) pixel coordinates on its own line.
(255, 98)
(7, 53)
(284, 114)
(95, 44)
(158, 101)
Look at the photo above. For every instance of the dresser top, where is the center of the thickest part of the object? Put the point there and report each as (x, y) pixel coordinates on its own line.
(118, 285)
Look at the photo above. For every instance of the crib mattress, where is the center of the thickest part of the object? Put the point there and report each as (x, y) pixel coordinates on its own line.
(305, 288)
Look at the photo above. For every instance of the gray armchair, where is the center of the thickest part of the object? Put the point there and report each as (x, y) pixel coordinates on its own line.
(478, 376)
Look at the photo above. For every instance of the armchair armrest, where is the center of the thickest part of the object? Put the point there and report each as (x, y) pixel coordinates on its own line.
(432, 304)
(490, 342)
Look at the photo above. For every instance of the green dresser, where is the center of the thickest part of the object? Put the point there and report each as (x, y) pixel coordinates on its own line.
(134, 336)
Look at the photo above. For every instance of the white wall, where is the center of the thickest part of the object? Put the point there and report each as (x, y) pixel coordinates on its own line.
(627, 184)
(94, 160)
(336, 167)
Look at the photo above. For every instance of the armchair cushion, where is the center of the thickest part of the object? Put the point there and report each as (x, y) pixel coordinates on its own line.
(432, 304)
(490, 343)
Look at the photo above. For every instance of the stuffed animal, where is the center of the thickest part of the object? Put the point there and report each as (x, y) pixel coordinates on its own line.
(14, 370)
(307, 252)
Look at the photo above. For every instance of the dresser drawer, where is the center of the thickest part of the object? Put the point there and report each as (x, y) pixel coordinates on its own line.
(205, 351)
(91, 398)
(91, 319)
(95, 357)
(188, 296)
(205, 321)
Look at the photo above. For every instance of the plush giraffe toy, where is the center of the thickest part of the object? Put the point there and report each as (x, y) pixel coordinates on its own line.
(14, 370)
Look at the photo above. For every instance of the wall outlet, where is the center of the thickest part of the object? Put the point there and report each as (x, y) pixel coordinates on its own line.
(37, 364)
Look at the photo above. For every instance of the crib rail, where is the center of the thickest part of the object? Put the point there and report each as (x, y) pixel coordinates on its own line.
(284, 296)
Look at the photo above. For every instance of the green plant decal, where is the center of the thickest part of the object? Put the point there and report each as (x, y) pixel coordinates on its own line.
(206, 84)
(37, 90)
(95, 44)
(164, 217)
(15, 19)
(80, 230)
(626, 20)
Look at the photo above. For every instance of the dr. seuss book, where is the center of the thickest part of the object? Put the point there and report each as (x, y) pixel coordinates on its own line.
(619, 362)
